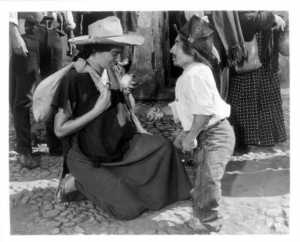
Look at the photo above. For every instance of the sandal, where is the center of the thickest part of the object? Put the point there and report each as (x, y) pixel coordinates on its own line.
(27, 161)
(215, 224)
(195, 224)
(60, 194)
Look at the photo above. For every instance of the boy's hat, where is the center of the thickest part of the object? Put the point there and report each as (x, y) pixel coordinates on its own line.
(108, 31)
(199, 34)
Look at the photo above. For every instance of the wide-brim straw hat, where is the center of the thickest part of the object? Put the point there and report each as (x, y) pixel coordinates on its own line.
(108, 31)
(199, 34)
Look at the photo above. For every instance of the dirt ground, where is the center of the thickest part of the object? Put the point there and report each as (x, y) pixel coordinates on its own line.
(255, 198)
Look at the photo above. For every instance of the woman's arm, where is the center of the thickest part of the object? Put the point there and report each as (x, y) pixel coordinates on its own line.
(128, 84)
(252, 22)
(129, 100)
(64, 125)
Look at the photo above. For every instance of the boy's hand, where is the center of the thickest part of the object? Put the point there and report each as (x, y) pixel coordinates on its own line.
(188, 146)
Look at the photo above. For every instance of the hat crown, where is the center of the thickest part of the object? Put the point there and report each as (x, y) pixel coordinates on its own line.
(110, 26)
(199, 33)
(196, 28)
(108, 31)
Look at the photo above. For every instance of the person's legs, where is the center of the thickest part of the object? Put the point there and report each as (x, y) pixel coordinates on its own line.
(51, 61)
(150, 176)
(12, 83)
(22, 85)
(26, 72)
(210, 158)
(54, 144)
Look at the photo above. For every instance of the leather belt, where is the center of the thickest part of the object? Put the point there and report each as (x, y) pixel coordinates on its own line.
(215, 124)
(49, 24)
(208, 128)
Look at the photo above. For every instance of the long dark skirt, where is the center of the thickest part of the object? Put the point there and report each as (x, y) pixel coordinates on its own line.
(149, 177)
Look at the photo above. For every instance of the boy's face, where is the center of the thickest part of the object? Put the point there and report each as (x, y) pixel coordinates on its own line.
(179, 57)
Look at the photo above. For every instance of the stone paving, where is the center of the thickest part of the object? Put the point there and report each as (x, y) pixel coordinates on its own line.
(255, 192)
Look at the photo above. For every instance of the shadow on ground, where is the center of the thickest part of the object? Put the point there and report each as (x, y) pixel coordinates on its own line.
(257, 178)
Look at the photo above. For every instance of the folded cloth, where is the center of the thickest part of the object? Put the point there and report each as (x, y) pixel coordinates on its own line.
(228, 26)
(44, 92)
(43, 95)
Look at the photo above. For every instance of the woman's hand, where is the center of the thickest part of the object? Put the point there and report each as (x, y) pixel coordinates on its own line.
(104, 100)
(280, 23)
(72, 50)
(128, 83)
(64, 125)
(188, 146)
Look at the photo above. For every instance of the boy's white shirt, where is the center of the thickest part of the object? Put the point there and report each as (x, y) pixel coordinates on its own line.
(196, 93)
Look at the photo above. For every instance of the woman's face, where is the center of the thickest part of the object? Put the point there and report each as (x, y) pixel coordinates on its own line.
(108, 58)
(179, 57)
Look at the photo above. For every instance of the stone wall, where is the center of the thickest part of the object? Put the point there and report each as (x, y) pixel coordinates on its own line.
(149, 64)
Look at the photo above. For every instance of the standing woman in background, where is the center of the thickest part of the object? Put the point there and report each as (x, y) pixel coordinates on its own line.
(254, 97)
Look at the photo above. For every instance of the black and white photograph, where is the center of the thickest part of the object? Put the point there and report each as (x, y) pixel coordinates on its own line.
(149, 119)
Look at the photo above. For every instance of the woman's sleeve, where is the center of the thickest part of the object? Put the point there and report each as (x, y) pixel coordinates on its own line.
(199, 95)
(65, 96)
(252, 22)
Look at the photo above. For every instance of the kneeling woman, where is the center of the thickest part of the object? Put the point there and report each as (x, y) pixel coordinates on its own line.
(121, 171)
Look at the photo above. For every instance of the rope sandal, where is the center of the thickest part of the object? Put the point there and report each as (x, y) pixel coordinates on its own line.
(60, 194)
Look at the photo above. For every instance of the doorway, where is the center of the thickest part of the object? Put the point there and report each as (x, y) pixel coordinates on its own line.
(175, 72)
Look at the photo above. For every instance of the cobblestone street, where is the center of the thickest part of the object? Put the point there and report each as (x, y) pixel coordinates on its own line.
(256, 192)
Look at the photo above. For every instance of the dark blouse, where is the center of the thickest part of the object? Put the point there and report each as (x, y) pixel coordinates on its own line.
(103, 139)
(255, 21)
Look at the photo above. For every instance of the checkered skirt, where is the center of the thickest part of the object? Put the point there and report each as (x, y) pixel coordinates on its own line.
(256, 105)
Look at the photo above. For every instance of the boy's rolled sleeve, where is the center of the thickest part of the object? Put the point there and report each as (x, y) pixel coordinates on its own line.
(199, 96)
